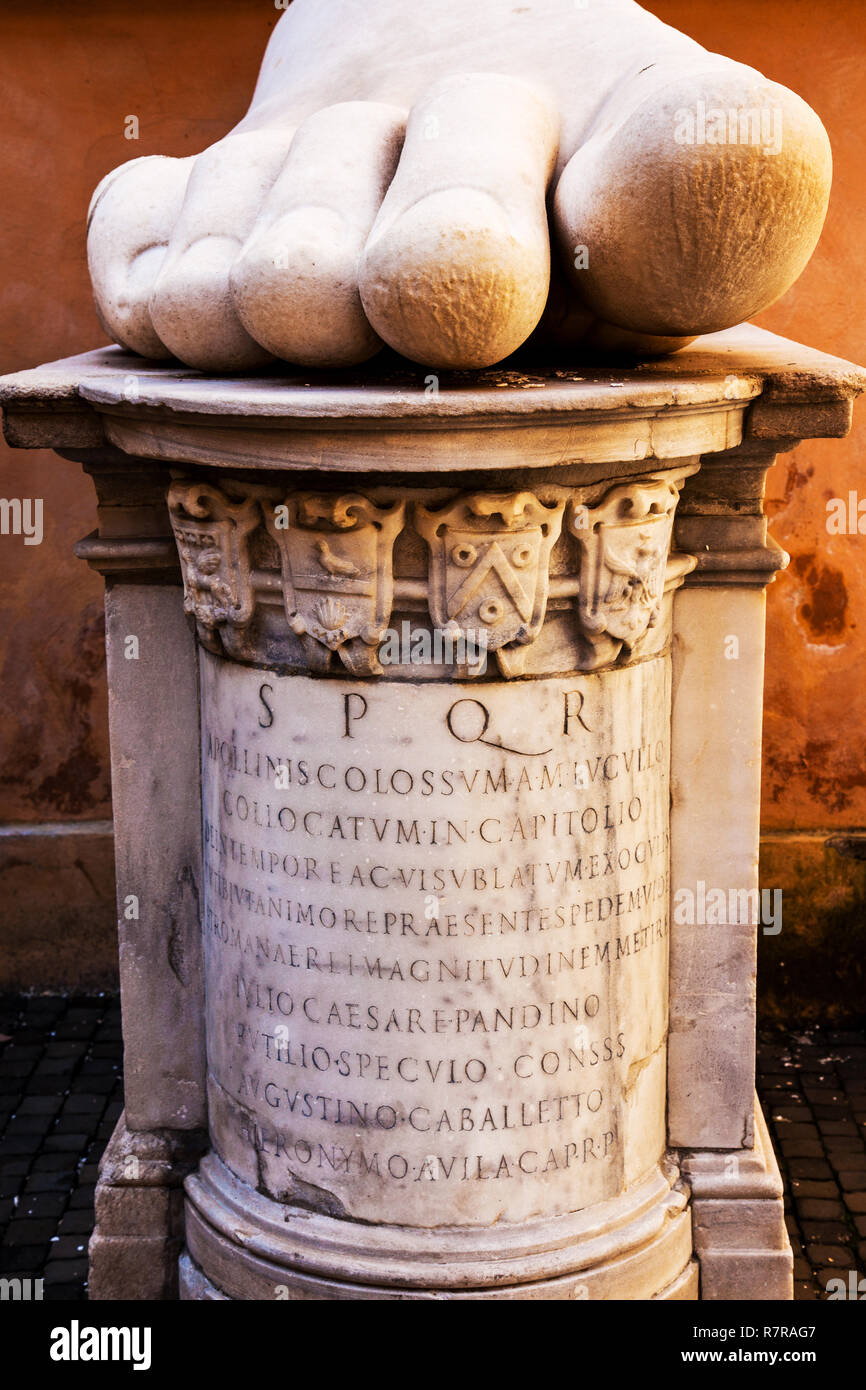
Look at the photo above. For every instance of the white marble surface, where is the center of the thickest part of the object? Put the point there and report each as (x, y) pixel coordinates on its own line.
(410, 176)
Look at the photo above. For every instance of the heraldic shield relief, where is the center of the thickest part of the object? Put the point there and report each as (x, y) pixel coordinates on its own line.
(624, 547)
(336, 554)
(489, 569)
(212, 534)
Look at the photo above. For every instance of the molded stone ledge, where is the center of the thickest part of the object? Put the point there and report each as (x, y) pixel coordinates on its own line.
(138, 1237)
(196, 1287)
(151, 1157)
(119, 557)
(724, 390)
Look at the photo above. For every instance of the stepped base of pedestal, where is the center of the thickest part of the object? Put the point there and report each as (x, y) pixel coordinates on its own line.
(739, 1222)
(196, 1287)
(741, 1247)
(134, 1249)
(244, 1246)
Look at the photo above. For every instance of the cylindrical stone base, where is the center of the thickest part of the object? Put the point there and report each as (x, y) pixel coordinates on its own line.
(635, 1247)
(436, 947)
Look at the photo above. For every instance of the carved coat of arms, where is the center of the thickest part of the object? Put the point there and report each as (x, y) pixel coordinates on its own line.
(212, 535)
(624, 547)
(489, 569)
(336, 554)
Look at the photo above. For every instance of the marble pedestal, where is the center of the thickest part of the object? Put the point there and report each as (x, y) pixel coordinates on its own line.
(432, 702)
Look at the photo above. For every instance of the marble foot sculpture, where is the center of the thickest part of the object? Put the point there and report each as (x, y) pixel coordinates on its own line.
(404, 169)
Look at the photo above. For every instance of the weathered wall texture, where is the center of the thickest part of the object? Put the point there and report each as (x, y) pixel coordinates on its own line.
(70, 75)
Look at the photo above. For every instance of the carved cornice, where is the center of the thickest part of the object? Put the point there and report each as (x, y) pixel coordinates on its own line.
(305, 579)
(721, 520)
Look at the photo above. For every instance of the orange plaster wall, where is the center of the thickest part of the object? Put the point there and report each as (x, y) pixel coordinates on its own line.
(70, 74)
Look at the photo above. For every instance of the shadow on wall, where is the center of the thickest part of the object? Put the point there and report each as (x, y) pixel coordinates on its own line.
(814, 970)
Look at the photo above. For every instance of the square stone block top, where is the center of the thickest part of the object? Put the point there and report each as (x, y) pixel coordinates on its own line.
(727, 387)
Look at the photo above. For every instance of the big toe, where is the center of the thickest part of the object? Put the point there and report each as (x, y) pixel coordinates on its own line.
(457, 267)
(696, 206)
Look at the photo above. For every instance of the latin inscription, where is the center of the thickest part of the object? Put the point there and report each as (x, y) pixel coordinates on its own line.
(436, 938)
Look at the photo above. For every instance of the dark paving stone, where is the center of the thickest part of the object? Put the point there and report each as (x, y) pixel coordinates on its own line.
(69, 1247)
(11, 1166)
(27, 1124)
(800, 1148)
(799, 1131)
(18, 1146)
(80, 1031)
(54, 1163)
(47, 1086)
(82, 1127)
(803, 1187)
(65, 1143)
(826, 1232)
(48, 1182)
(83, 1105)
(66, 1049)
(23, 1259)
(76, 1223)
(52, 1066)
(93, 1084)
(835, 1257)
(66, 1271)
(20, 1061)
(834, 1272)
(818, 1209)
(810, 1168)
(39, 1204)
(82, 1197)
(22, 1231)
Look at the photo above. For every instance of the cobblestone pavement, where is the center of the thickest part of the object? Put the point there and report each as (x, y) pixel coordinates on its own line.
(61, 1094)
(813, 1089)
